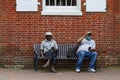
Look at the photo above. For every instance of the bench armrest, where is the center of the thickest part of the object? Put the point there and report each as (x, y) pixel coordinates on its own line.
(36, 55)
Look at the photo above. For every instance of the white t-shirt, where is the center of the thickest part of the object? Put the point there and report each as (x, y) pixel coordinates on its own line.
(85, 44)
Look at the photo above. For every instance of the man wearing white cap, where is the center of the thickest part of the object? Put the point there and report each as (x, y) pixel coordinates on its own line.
(49, 49)
(86, 50)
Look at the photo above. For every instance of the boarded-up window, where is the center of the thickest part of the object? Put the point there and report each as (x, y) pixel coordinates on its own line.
(26, 5)
(95, 5)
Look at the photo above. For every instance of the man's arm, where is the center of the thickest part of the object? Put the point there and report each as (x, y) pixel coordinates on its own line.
(80, 40)
(55, 45)
(42, 50)
(92, 50)
(42, 54)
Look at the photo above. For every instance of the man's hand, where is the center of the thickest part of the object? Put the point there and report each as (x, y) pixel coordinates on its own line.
(42, 57)
(92, 50)
(85, 34)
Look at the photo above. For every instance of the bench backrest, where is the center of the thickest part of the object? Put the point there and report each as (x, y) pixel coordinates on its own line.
(63, 49)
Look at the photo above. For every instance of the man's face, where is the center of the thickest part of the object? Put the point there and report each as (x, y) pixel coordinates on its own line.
(48, 37)
(88, 37)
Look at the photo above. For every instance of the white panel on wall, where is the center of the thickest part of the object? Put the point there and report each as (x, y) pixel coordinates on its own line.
(26, 5)
(95, 5)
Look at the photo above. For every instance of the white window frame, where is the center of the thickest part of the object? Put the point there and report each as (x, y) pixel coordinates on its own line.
(62, 10)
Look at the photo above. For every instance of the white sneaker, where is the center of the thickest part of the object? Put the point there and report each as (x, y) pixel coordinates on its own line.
(77, 70)
(92, 70)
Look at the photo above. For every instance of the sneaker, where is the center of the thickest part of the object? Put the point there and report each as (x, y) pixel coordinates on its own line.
(77, 70)
(92, 70)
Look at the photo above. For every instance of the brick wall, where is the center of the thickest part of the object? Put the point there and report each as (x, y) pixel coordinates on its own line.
(20, 30)
(117, 29)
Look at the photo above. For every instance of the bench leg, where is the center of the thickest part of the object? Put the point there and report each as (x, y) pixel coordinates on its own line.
(35, 64)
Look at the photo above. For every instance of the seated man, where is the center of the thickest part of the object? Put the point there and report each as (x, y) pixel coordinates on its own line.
(86, 50)
(49, 49)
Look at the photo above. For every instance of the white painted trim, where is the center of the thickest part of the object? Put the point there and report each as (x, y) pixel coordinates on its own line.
(58, 12)
(62, 10)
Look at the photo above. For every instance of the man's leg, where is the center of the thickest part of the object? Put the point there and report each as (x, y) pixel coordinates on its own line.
(93, 57)
(49, 57)
(52, 63)
(81, 55)
(46, 64)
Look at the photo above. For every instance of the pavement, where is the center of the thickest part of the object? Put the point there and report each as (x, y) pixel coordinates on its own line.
(63, 74)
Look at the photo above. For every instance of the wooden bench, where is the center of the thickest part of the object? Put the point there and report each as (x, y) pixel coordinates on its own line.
(62, 53)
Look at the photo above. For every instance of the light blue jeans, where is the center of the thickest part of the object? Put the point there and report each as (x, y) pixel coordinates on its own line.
(85, 54)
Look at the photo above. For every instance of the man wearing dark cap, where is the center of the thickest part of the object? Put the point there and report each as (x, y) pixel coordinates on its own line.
(49, 49)
(86, 50)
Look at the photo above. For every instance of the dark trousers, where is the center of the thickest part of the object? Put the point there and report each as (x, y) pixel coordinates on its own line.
(50, 55)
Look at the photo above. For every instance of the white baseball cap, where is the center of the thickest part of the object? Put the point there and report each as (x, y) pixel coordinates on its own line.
(89, 33)
(48, 33)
